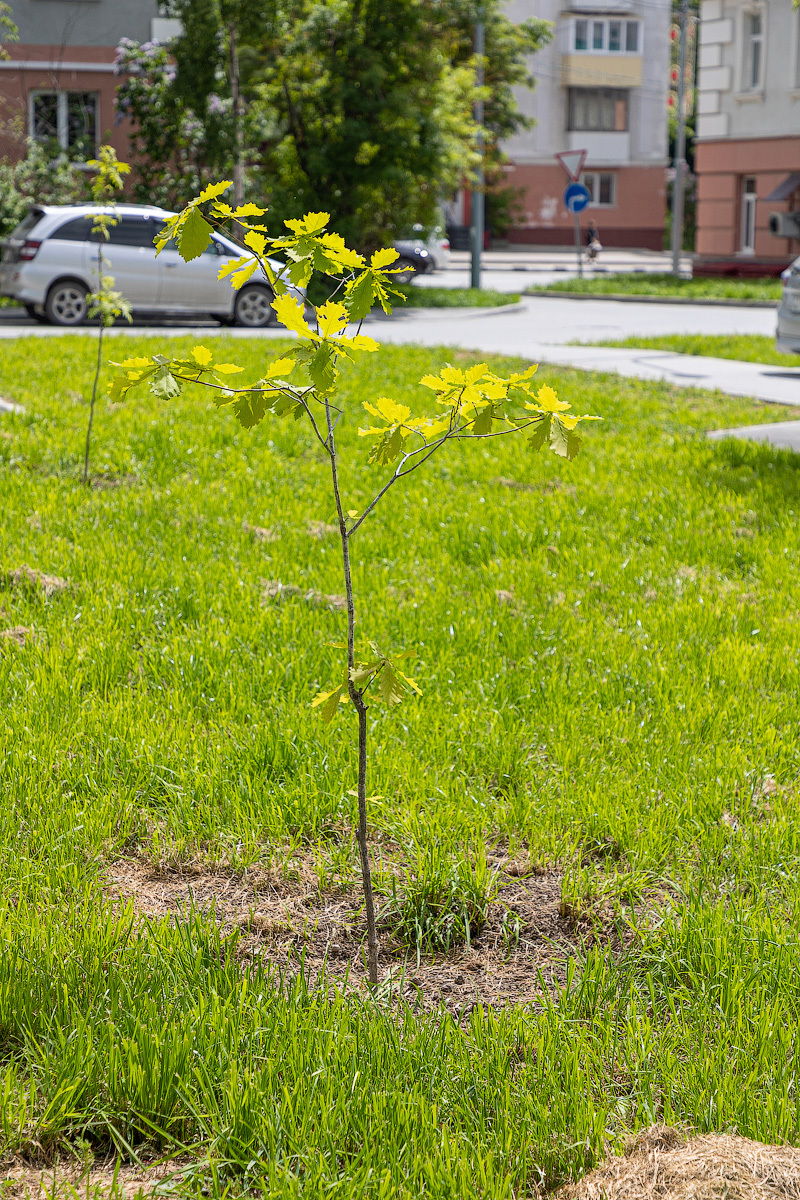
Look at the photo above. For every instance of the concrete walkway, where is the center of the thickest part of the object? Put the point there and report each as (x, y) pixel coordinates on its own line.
(784, 435)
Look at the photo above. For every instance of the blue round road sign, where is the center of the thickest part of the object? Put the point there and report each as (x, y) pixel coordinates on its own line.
(576, 197)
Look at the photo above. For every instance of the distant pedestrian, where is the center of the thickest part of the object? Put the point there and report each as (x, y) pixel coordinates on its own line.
(593, 246)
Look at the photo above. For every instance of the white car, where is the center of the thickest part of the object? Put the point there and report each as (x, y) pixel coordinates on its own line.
(50, 263)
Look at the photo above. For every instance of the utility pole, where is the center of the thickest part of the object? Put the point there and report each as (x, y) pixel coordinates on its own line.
(238, 131)
(477, 208)
(679, 181)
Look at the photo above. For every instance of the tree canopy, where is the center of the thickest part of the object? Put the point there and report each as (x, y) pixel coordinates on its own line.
(366, 105)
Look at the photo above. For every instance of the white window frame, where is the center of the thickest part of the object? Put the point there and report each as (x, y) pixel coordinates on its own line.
(591, 180)
(62, 113)
(590, 23)
(748, 202)
(746, 85)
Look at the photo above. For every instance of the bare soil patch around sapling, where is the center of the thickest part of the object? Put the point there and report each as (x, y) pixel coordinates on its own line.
(284, 917)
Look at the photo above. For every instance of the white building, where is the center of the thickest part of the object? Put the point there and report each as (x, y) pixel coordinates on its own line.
(602, 85)
(747, 157)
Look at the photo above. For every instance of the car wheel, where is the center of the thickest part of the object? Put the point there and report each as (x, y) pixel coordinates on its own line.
(66, 303)
(405, 270)
(36, 312)
(253, 307)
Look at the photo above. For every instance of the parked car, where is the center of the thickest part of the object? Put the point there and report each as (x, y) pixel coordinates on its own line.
(788, 335)
(419, 255)
(50, 263)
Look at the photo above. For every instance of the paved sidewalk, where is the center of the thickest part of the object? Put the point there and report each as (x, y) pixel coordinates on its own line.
(785, 435)
(515, 268)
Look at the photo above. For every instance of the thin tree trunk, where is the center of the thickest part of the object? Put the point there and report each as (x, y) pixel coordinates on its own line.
(357, 698)
(238, 132)
(92, 402)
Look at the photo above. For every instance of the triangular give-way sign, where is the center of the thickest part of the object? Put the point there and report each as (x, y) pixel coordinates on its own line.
(572, 161)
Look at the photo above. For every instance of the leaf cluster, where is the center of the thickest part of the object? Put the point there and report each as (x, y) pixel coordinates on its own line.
(374, 667)
(468, 404)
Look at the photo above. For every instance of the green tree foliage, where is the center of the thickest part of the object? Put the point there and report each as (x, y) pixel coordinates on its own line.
(8, 28)
(36, 179)
(462, 405)
(365, 102)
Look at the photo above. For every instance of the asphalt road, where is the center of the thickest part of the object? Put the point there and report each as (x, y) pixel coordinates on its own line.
(543, 329)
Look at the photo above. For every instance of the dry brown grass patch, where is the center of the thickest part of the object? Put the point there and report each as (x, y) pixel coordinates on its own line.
(33, 581)
(662, 1162)
(72, 1181)
(17, 634)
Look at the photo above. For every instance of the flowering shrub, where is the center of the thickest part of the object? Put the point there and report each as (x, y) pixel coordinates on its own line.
(176, 151)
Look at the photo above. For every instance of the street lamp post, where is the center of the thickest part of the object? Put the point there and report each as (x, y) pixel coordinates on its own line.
(478, 199)
(679, 181)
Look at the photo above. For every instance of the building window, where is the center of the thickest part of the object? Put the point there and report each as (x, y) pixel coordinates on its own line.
(602, 187)
(598, 110)
(748, 215)
(605, 37)
(753, 61)
(65, 122)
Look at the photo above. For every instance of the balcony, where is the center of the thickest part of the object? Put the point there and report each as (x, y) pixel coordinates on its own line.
(602, 149)
(601, 70)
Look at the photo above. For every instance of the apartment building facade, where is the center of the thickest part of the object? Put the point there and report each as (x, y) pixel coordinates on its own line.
(602, 86)
(747, 155)
(58, 82)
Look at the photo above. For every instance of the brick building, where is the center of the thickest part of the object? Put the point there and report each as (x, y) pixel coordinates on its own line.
(58, 84)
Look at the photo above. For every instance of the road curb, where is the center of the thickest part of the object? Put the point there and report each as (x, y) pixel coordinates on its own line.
(472, 311)
(625, 299)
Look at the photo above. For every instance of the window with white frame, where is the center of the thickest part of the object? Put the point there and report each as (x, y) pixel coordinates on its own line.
(605, 35)
(753, 51)
(602, 187)
(66, 121)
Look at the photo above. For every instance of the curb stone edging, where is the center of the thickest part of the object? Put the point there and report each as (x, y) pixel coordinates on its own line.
(624, 298)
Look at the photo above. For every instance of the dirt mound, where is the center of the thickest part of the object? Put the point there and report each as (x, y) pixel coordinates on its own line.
(33, 581)
(662, 1162)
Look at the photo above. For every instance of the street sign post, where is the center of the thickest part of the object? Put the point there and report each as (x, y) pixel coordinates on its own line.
(572, 161)
(576, 197)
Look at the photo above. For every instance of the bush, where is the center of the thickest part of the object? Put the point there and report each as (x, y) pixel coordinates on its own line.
(39, 179)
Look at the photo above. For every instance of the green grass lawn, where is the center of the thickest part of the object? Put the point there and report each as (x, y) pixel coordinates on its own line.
(443, 297)
(745, 347)
(609, 652)
(635, 284)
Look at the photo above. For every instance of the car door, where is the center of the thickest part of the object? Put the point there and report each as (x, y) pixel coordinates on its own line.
(131, 258)
(194, 286)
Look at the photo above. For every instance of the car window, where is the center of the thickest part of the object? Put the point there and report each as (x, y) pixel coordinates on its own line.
(27, 224)
(134, 231)
(214, 248)
(77, 230)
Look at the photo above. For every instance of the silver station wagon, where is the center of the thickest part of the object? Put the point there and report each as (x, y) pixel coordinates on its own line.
(50, 263)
